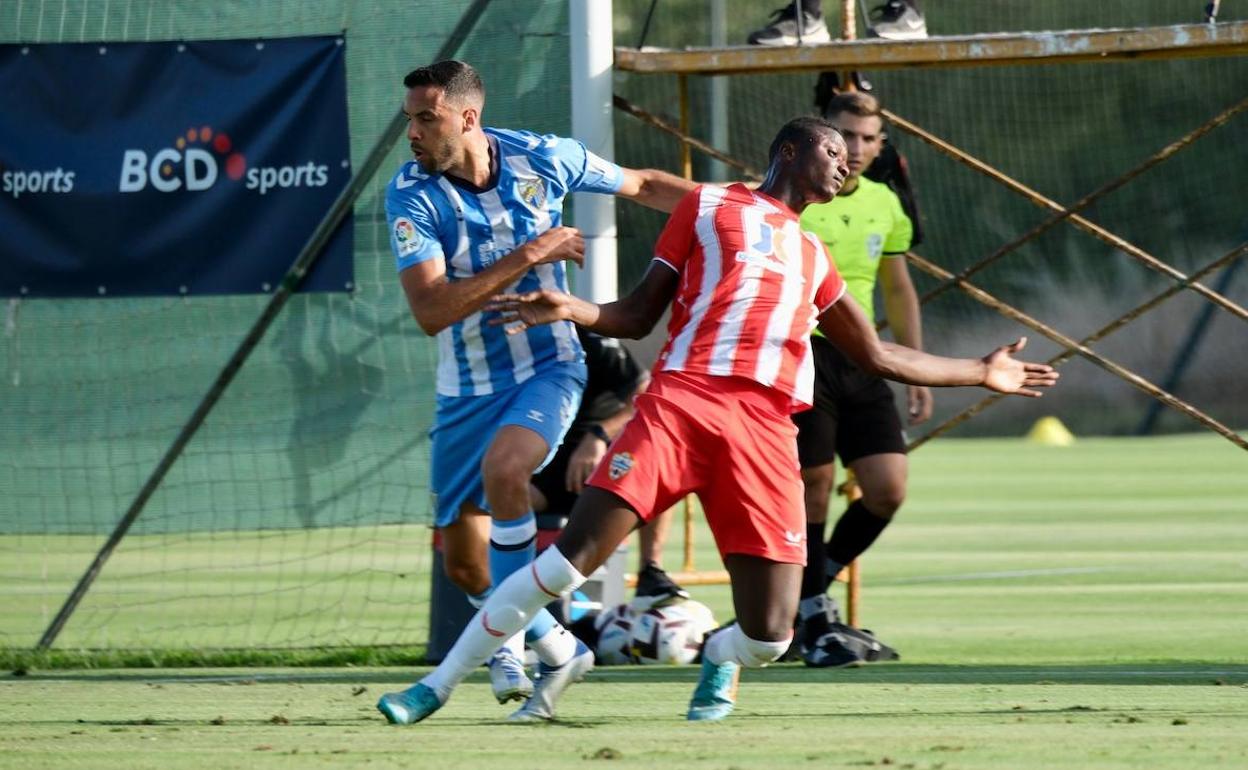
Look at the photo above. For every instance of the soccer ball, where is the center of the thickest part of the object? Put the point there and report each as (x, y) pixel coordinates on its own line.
(615, 634)
(671, 634)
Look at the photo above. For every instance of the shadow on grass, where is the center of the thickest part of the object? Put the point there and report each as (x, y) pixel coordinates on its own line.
(1170, 673)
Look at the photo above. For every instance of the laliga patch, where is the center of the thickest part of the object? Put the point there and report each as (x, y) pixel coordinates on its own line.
(621, 464)
(405, 239)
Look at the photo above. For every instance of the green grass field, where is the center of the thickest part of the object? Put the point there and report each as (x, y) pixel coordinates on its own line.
(1079, 608)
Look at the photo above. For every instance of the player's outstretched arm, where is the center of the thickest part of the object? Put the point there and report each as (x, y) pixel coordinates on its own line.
(630, 317)
(656, 189)
(437, 302)
(848, 328)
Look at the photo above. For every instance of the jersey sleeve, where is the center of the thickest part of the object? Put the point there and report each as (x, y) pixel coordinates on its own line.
(413, 234)
(582, 170)
(676, 242)
(898, 240)
(832, 288)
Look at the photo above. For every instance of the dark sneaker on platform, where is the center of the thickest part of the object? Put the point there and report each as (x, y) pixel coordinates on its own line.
(897, 20)
(783, 29)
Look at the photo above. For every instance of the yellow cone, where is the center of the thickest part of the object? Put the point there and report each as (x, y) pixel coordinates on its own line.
(1050, 432)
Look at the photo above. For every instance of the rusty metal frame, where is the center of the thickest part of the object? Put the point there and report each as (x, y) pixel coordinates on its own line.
(1063, 213)
(1181, 41)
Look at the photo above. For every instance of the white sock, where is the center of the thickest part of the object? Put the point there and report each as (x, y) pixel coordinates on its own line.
(505, 614)
(556, 647)
(732, 644)
(514, 645)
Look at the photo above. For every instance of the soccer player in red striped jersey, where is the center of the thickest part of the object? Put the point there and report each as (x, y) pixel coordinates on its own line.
(746, 287)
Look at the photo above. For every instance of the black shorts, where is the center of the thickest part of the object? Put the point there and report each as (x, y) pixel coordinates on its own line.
(854, 413)
(552, 481)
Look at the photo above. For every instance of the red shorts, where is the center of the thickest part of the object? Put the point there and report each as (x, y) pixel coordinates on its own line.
(729, 440)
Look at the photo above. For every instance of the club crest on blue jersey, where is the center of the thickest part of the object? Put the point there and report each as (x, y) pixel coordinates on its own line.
(621, 464)
(532, 192)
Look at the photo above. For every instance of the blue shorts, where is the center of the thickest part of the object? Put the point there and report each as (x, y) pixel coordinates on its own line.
(464, 428)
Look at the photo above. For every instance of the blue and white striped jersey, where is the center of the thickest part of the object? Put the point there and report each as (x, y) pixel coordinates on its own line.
(439, 217)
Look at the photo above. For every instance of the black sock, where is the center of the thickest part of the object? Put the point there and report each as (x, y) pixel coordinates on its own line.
(814, 577)
(854, 533)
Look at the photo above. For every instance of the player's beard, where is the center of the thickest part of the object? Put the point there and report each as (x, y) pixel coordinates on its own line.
(439, 158)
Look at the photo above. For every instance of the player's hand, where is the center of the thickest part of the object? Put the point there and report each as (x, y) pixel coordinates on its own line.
(520, 311)
(918, 403)
(584, 459)
(1006, 374)
(558, 244)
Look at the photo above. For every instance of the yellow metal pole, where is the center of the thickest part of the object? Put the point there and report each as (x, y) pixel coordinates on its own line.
(849, 31)
(688, 506)
(686, 170)
(686, 154)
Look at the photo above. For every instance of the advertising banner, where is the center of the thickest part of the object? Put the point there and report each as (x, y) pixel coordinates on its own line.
(170, 168)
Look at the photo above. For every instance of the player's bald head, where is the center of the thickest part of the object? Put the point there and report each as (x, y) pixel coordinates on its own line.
(460, 83)
(801, 134)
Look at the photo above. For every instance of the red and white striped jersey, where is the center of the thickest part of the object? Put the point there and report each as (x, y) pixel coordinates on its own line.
(752, 286)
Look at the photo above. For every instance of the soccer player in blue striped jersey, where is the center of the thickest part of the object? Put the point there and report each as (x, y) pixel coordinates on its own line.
(477, 212)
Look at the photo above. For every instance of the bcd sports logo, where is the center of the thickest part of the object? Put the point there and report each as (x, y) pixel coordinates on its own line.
(194, 162)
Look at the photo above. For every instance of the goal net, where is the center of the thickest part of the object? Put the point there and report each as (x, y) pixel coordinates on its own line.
(298, 516)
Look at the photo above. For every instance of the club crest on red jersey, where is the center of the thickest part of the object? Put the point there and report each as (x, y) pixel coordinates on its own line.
(621, 463)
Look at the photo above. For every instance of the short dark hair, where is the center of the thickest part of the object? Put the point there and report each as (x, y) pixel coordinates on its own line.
(858, 103)
(457, 79)
(799, 131)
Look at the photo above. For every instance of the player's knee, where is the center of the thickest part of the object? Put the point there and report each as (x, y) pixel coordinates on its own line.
(468, 576)
(886, 501)
(754, 653)
(507, 472)
(817, 494)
